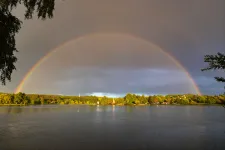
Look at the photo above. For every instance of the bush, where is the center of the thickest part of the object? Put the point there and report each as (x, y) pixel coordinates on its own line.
(61, 103)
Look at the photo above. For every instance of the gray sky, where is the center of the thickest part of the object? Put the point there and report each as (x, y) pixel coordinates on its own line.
(113, 62)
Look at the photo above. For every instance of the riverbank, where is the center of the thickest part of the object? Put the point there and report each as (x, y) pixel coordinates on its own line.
(21, 99)
(114, 105)
(13, 105)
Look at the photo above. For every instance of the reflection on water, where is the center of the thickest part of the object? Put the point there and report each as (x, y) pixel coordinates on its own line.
(112, 127)
(26, 109)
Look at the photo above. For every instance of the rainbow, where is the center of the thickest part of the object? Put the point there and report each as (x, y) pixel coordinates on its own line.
(44, 58)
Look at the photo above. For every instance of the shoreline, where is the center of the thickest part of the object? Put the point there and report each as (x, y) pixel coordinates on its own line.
(22, 99)
(2, 105)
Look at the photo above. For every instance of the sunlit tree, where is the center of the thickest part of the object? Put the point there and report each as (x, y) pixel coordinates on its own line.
(19, 98)
(130, 98)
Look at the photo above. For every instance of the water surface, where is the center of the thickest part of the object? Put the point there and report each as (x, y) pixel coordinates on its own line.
(80, 127)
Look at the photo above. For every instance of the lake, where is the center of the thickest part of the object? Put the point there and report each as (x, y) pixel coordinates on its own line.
(81, 127)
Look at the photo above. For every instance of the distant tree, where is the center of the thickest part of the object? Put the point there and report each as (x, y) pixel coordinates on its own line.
(143, 99)
(119, 101)
(104, 100)
(10, 25)
(155, 99)
(42, 100)
(215, 62)
(59, 100)
(211, 100)
(19, 98)
(8, 99)
(202, 99)
(130, 98)
(71, 102)
(34, 99)
(159, 99)
(151, 100)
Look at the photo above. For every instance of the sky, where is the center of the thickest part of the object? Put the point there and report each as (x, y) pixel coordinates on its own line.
(107, 47)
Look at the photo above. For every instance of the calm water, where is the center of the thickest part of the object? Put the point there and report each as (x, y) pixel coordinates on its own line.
(112, 128)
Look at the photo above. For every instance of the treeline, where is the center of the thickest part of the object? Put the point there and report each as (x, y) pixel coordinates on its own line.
(129, 99)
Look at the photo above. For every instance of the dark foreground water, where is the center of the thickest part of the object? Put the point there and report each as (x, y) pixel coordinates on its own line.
(112, 128)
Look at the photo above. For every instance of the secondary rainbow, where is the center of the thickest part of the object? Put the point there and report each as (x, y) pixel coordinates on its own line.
(29, 73)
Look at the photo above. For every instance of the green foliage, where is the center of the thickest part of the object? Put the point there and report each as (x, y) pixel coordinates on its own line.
(42, 100)
(71, 102)
(103, 100)
(211, 100)
(142, 99)
(61, 103)
(215, 62)
(150, 100)
(184, 101)
(129, 99)
(18, 98)
(10, 25)
(6, 99)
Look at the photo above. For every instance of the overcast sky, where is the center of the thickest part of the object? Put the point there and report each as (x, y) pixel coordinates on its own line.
(110, 58)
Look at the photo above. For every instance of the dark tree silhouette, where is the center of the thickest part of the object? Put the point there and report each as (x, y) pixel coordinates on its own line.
(215, 62)
(10, 25)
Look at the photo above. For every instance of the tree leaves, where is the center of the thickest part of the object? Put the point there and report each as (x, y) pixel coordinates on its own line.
(220, 79)
(215, 62)
(10, 25)
(44, 8)
(129, 99)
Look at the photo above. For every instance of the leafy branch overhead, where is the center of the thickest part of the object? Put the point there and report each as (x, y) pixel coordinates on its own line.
(215, 62)
(10, 25)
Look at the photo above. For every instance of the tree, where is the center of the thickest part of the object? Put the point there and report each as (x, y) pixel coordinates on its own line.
(10, 25)
(8, 99)
(143, 99)
(19, 98)
(215, 62)
(34, 99)
(104, 100)
(42, 100)
(130, 98)
(151, 100)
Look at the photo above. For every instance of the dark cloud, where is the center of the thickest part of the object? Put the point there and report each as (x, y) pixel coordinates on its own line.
(187, 29)
(212, 89)
(88, 80)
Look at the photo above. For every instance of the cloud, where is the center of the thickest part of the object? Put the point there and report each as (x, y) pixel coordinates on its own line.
(185, 29)
(105, 94)
(117, 81)
(209, 85)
